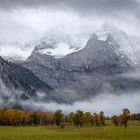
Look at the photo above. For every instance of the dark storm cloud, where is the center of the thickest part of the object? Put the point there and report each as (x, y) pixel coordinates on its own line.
(81, 6)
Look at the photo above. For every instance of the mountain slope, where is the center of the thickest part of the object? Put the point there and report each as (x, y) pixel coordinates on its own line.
(92, 70)
(18, 83)
(127, 44)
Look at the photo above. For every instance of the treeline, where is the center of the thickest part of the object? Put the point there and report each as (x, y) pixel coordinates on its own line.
(79, 118)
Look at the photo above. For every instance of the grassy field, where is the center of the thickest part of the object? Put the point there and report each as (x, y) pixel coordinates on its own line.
(108, 132)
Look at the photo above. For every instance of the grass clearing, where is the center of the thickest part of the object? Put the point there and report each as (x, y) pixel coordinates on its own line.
(108, 132)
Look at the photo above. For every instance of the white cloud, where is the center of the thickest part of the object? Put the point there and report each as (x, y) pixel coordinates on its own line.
(109, 103)
(31, 24)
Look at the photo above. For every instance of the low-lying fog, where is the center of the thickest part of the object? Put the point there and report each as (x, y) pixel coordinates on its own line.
(109, 103)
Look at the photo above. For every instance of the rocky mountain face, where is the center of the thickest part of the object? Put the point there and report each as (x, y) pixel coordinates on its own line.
(94, 69)
(18, 83)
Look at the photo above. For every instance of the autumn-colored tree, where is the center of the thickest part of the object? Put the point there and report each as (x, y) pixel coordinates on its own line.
(26, 118)
(96, 118)
(124, 118)
(13, 117)
(3, 117)
(51, 120)
(88, 119)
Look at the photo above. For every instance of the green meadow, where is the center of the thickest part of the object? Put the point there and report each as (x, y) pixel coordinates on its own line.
(109, 132)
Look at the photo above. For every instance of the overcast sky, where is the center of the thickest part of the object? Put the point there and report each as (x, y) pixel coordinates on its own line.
(30, 19)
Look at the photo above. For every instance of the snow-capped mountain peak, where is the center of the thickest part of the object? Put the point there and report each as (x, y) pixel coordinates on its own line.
(107, 29)
(125, 42)
(58, 45)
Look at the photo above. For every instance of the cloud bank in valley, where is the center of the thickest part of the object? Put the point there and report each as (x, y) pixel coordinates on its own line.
(109, 103)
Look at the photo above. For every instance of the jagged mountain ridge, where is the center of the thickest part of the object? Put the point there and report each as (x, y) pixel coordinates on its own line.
(52, 43)
(94, 69)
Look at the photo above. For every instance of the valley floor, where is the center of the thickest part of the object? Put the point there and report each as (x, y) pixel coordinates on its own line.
(108, 132)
